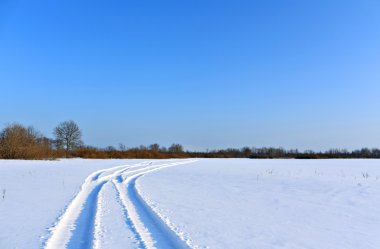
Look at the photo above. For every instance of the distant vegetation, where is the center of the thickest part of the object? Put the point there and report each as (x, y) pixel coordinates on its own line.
(262, 153)
(20, 142)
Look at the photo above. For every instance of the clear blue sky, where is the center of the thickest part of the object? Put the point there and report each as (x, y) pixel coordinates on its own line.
(207, 74)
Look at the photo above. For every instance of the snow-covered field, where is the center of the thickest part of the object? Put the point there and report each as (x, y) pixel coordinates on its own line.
(36, 193)
(205, 203)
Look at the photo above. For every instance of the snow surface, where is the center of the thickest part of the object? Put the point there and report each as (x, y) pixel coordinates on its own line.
(36, 194)
(243, 203)
(205, 203)
(101, 209)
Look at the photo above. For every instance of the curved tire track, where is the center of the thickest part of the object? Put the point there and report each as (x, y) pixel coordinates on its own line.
(76, 227)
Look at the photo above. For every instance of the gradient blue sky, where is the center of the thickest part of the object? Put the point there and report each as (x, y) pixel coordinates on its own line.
(207, 74)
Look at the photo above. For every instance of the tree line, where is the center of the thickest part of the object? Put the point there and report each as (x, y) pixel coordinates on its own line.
(20, 142)
(273, 153)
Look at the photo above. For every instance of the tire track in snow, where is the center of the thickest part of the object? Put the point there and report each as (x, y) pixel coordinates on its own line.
(80, 213)
(85, 224)
(79, 226)
(153, 231)
(110, 222)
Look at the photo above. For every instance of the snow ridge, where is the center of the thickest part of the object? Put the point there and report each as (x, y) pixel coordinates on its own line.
(80, 226)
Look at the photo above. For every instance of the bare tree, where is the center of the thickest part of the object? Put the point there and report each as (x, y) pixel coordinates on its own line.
(176, 148)
(122, 147)
(68, 136)
(246, 151)
(155, 147)
(110, 148)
